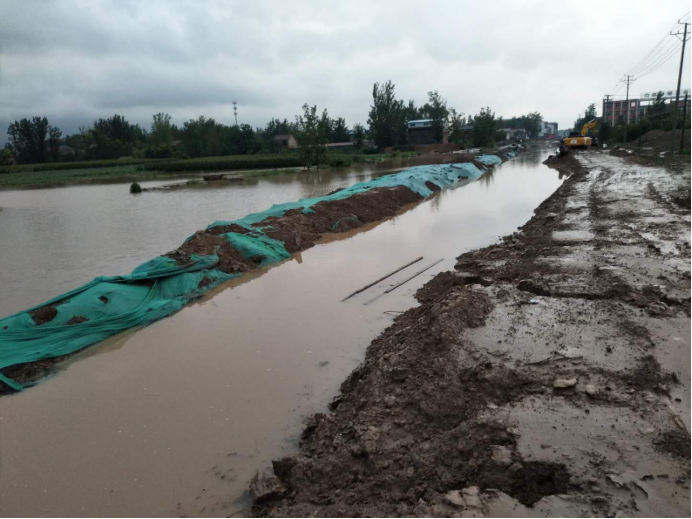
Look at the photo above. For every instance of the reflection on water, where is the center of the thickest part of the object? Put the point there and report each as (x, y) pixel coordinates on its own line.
(174, 419)
(56, 239)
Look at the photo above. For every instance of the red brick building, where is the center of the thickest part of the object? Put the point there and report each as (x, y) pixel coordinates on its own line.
(614, 109)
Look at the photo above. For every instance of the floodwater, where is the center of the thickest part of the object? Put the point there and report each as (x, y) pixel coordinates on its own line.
(175, 418)
(57, 239)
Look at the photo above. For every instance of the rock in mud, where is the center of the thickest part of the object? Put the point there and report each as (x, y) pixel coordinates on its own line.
(472, 497)
(564, 383)
(455, 498)
(266, 485)
(502, 455)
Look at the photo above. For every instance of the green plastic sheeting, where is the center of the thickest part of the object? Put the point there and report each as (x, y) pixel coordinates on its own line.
(160, 287)
(489, 160)
(111, 304)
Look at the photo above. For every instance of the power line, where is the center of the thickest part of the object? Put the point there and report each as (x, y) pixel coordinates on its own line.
(632, 70)
(660, 50)
(671, 44)
(663, 60)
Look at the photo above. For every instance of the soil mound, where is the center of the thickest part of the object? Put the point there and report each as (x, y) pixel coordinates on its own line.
(660, 139)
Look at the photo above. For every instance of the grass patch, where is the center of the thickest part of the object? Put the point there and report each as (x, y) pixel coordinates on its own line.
(87, 164)
(147, 169)
(229, 163)
(74, 176)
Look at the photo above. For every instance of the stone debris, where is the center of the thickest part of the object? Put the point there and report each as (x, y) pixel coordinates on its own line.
(562, 383)
(266, 485)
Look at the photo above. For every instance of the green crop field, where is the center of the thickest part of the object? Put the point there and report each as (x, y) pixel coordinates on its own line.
(144, 169)
(74, 176)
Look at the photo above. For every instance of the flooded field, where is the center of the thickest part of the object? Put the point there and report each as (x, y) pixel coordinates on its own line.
(57, 239)
(175, 418)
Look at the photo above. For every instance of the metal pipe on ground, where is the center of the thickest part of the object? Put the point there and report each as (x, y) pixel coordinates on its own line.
(405, 281)
(381, 279)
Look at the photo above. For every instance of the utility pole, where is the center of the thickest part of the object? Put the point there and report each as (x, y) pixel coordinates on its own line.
(629, 80)
(677, 94)
(605, 107)
(235, 112)
(684, 124)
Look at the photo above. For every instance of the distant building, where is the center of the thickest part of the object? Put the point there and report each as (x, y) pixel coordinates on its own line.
(514, 134)
(612, 110)
(339, 145)
(420, 132)
(548, 129)
(286, 141)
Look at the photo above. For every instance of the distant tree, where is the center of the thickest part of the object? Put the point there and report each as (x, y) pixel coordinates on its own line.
(403, 114)
(339, 130)
(114, 137)
(28, 139)
(658, 113)
(313, 133)
(436, 110)
(202, 137)
(456, 125)
(605, 132)
(277, 127)
(385, 115)
(484, 128)
(6, 156)
(358, 136)
(240, 140)
(161, 130)
(411, 112)
(54, 140)
(532, 123)
(589, 115)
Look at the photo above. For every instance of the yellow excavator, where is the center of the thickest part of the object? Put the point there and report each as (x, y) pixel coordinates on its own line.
(581, 139)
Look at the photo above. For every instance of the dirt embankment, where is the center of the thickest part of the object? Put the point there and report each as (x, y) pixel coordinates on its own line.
(297, 230)
(548, 375)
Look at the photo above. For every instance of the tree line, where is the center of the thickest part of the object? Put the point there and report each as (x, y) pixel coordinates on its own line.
(35, 140)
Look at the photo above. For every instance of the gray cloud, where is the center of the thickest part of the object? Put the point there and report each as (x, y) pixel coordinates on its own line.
(76, 60)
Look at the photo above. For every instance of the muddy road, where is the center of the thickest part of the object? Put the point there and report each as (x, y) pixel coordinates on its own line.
(547, 375)
(175, 419)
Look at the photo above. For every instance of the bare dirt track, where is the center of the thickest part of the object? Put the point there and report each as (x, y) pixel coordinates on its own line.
(548, 375)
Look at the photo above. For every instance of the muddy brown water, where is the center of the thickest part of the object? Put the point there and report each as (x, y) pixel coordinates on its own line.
(56, 239)
(175, 418)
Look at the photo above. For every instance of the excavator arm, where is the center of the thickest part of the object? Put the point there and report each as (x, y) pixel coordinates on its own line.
(591, 124)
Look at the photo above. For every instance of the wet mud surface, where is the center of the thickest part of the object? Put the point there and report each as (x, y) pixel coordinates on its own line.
(548, 375)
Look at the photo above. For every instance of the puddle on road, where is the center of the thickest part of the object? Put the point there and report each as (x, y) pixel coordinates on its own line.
(175, 418)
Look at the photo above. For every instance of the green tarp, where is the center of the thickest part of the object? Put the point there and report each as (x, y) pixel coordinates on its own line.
(110, 304)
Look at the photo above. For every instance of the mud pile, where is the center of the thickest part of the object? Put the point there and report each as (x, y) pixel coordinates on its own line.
(660, 139)
(298, 230)
(534, 380)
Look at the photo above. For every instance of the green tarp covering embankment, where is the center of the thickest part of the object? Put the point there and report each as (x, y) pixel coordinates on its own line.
(110, 304)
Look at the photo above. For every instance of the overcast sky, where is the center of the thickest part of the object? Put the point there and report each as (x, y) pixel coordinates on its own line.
(74, 60)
